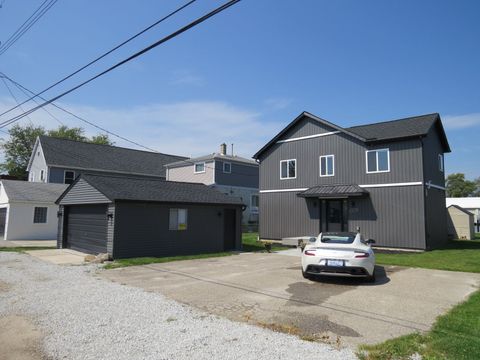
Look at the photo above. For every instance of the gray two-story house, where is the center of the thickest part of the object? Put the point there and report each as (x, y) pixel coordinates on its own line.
(230, 174)
(387, 179)
(55, 160)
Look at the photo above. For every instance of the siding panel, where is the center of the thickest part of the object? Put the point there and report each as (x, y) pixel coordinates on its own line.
(187, 174)
(83, 193)
(241, 175)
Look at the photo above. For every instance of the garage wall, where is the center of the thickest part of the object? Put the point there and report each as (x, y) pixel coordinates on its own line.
(142, 229)
(20, 226)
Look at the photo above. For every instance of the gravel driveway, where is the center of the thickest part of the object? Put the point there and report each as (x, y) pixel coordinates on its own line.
(82, 316)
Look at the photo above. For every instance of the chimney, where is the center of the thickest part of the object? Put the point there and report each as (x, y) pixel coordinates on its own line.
(223, 149)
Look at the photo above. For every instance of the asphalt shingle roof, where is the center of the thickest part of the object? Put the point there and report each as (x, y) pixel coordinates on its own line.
(408, 127)
(214, 156)
(144, 189)
(32, 191)
(77, 154)
(332, 191)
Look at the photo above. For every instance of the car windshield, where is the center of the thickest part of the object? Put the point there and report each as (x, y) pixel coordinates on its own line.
(338, 238)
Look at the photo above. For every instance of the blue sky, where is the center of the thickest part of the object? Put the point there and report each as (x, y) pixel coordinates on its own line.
(246, 73)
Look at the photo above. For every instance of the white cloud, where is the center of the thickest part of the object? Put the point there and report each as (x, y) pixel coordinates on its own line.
(186, 77)
(278, 103)
(461, 121)
(190, 128)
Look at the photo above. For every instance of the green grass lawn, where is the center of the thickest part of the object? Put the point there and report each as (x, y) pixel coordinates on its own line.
(249, 243)
(453, 336)
(20, 249)
(459, 255)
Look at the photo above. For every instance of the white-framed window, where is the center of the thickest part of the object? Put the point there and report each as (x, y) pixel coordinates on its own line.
(288, 169)
(327, 165)
(32, 176)
(178, 219)
(254, 200)
(42, 175)
(40, 215)
(68, 176)
(227, 167)
(440, 162)
(199, 168)
(377, 161)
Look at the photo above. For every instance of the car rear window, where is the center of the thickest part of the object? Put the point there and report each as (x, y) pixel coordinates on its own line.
(338, 238)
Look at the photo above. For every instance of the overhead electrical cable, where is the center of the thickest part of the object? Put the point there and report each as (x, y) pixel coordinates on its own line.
(41, 10)
(130, 58)
(104, 55)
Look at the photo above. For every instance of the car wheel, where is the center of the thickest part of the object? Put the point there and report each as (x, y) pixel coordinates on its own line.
(305, 275)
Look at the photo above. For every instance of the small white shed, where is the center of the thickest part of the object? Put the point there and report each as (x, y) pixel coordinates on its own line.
(28, 210)
(471, 204)
(460, 223)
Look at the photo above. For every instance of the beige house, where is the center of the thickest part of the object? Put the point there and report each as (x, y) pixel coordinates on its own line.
(460, 223)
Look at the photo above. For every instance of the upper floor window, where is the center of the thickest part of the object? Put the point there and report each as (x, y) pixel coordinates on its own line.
(40, 215)
(378, 160)
(288, 169)
(254, 201)
(42, 175)
(327, 165)
(227, 167)
(69, 176)
(440, 162)
(199, 168)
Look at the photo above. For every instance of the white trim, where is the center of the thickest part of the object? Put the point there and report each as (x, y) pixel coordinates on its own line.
(288, 178)
(195, 167)
(429, 185)
(326, 165)
(413, 183)
(65, 173)
(376, 159)
(227, 172)
(282, 190)
(308, 137)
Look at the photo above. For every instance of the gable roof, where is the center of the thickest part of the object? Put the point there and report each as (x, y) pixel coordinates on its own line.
(24, 191)
(105, 158)
(388, 130)
(461, 209)
(211, 157)
(154, 190)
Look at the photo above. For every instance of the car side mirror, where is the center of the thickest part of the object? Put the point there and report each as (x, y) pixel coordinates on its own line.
(312, 239)
(370, 241)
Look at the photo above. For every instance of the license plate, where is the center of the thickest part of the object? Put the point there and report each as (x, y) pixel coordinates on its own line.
(334, 262)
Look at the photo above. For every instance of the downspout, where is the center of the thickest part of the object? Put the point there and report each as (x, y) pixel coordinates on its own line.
(424, 194)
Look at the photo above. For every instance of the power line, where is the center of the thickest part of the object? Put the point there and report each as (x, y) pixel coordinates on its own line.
(37, 14)
(14, 97)
(134, 56)
(78, 117)
(104, 54)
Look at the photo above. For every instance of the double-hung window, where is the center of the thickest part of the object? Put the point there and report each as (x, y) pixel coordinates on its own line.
(199, 167)
(378, 161)
(178, 219)
(288, 169)
(68, 177)
(327, 164)
(40, 215)
(440, 162)
(227, 167)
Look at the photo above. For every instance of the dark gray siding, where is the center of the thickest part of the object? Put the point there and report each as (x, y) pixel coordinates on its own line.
(350, 162)
(56, 174)
(393, 216)
(306, 127)
(61, 225)
(110, 228)
(432, 148)
(241, 175)
(142, 229)
(87, 228)
(436, 218)
(83, 193)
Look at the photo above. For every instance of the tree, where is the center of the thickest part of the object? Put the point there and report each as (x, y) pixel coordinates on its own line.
(18, 148)
(477, 185)
(457, 186)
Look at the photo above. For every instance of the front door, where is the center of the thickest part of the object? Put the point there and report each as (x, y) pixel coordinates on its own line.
(336, 215)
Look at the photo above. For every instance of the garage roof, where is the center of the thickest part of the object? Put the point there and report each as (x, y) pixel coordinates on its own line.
(155, 190)
(24, 191)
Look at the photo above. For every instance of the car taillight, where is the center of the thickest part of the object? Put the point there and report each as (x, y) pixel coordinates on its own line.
(359, 254)
(309, 253)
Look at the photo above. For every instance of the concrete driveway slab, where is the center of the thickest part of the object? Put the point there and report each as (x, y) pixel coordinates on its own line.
(59, 256)
(269, 290)
(28, 243)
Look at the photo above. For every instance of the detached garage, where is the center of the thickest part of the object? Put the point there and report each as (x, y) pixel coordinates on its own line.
(134, 217)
